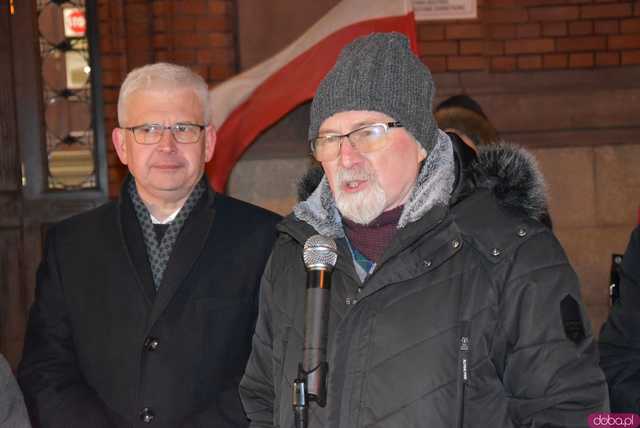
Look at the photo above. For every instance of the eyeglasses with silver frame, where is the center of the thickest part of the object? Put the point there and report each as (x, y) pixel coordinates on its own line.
(151, 133)
(366, 139)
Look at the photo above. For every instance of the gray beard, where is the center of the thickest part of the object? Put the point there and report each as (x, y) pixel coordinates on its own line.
(361, 207)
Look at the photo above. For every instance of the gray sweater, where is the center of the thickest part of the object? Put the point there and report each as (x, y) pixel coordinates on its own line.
(13, 413)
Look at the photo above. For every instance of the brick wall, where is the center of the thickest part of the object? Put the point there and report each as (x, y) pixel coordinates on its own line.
(195, 33)
(519, 35)
(508, 36)
(578, 112)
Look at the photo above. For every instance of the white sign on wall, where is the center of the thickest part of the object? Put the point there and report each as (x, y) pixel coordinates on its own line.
(428, 10)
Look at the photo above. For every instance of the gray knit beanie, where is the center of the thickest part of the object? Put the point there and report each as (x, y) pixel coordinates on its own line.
(379, 72)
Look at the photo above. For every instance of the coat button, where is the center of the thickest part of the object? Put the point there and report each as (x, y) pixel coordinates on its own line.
(151, 343)
(522, 232)
(495, 252)
(455, 243)
(146, 415)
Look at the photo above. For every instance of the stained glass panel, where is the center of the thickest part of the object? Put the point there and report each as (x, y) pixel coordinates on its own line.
(64, 50)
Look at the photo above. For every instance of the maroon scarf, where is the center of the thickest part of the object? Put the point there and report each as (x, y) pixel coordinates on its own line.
(371, 240)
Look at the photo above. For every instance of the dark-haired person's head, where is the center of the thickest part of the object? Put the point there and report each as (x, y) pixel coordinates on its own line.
(463, 115)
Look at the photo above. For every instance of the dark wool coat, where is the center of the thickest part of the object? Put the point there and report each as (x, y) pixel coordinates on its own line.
(620, 335)
(104, 350)
(472, 318)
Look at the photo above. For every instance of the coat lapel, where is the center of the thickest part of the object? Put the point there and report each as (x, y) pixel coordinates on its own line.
(133, 244)
(186, 250)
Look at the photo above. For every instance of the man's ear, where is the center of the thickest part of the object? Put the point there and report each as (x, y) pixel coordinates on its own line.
(119, 143)
(210, 138)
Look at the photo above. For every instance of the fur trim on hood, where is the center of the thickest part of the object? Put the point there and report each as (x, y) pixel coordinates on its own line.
(511, 173)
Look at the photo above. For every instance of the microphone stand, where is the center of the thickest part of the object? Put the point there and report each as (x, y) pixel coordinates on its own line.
(301, 396)
(300, 404)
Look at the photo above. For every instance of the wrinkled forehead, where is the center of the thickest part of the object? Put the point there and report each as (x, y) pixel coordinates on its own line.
(172, 98)
(348, 120)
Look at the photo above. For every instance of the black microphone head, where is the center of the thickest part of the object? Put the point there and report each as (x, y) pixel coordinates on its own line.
(320, 253)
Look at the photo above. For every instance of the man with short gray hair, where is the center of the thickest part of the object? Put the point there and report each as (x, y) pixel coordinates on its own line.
(145, 306)
(451, 304)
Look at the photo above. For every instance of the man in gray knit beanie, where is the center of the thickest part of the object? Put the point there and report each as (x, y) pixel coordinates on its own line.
(451, 305)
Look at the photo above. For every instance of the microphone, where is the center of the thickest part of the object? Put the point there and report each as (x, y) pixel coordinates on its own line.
(320, 255)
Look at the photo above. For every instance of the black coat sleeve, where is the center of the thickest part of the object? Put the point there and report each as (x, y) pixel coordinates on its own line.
(551, 371)
(55, 390)
(620, 336)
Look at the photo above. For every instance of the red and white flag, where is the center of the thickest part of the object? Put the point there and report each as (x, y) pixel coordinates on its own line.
(249, 103)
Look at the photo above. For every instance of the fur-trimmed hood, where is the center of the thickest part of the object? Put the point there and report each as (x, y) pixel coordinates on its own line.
(511, 173)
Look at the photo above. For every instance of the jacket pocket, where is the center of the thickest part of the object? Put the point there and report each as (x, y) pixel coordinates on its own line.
(464, 349)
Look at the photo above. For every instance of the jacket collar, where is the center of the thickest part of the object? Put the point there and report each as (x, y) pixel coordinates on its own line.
(133, 243)
(188, 246)
(508, 172)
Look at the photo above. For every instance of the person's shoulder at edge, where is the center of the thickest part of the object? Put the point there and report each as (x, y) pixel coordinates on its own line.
(13, 413)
